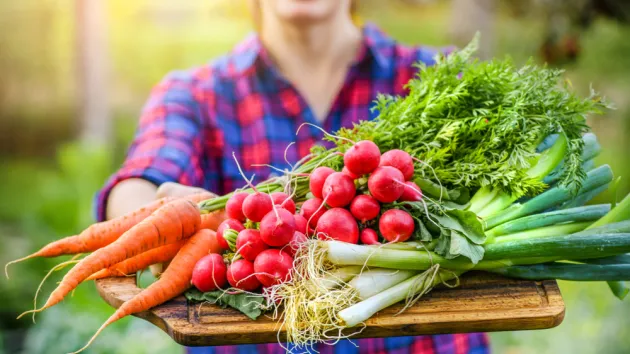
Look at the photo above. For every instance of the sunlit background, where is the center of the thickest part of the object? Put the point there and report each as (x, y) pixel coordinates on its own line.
(74, 75)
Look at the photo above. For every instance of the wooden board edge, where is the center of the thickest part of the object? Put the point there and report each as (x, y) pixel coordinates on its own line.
(113, 292)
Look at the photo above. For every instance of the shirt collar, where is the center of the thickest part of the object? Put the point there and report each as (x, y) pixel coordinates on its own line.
(375, 44)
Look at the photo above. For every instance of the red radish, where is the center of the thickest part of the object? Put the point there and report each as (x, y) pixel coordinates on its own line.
(364, 207)
(240, 275)
(300, 224)
(347, 172)
(209, 273)
(277, 227)
(386, 184)
(363, 157)
(283, 200)
(234, 206)
(400, 160)
(228, 224)
(338, 190)
(256, 206)
(273, 267)
(249, 244)
(317, 179)
(312, 210)
(338, 224)
(396, 225)
(369, 237)
(412, 193)
(298, 239)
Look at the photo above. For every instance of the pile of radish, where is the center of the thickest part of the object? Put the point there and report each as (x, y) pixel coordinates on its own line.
(347, 205)
(259, 238)
(264, 230)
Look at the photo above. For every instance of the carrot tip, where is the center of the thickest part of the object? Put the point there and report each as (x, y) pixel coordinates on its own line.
(6, 266)
(30, 311)
(92, 339)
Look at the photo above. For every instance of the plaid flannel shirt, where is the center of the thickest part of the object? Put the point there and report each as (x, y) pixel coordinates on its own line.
(239, 103)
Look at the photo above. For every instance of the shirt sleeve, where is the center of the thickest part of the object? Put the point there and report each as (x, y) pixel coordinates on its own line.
(167, 145)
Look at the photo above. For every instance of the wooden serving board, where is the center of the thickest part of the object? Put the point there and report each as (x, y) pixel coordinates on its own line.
(482, 303)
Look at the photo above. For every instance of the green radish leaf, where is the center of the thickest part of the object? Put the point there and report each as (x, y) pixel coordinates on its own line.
(457, 195)
(425, 235)
(465, 222)
(464, 196)
(443, 244)
(461, 246)
(433, 189)
(453, 205)
(250, 305)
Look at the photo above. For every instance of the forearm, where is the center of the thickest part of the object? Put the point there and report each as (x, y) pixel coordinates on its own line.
(133, 193)
(129, 195)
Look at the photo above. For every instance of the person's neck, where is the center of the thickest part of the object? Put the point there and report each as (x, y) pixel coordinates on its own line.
(319, 47)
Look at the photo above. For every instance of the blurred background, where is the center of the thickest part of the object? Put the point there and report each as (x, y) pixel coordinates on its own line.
(75, 73)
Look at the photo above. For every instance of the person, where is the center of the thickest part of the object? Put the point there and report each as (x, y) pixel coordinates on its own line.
(307, 62)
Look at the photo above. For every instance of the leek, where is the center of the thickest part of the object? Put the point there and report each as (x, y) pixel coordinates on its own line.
(550, 198)
(374, 281)
(561, 229)
(360, 312)
(620, 212)
(567, 271)
(586, 213)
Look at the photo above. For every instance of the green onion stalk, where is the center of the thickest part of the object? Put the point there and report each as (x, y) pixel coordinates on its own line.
(620, 212)
(389, 275)
(497, 255)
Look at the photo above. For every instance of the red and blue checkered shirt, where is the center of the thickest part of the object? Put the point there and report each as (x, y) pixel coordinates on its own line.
(240, 103)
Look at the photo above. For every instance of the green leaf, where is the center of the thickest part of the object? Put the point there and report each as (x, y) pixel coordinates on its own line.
(424, 234)
(443, 244)
(465, 222)
(433, 189)
(461, 246)
(248, 304)
(464, 195)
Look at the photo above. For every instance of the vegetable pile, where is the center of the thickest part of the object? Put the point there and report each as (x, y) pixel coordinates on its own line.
(482, 166)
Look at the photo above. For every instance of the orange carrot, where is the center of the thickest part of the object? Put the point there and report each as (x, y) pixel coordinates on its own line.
(157, 255)
(143, 260)
(103, 233)
(213, 220)
(171, 223)
(96, 236)
(173, 282)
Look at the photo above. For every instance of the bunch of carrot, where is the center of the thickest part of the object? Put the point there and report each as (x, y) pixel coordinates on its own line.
(169, 229)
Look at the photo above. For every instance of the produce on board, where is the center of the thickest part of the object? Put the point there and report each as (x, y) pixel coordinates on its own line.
(481, 166)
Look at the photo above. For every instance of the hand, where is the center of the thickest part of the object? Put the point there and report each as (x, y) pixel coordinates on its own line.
(172, 189)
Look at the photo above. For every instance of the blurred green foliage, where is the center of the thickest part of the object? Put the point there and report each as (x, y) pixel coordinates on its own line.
(49, 194)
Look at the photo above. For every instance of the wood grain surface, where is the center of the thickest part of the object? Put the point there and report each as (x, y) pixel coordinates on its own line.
(482, 303)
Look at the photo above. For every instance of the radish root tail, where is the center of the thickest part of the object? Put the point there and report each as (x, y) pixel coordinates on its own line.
(249, 182)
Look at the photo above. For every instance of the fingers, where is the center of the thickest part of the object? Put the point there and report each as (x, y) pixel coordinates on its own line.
(172, 189)
(156, 269)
